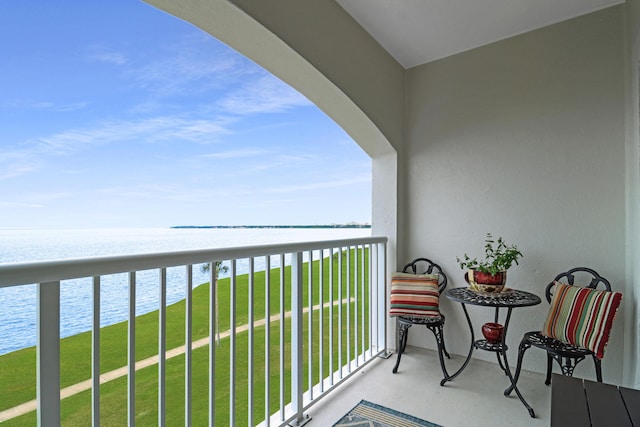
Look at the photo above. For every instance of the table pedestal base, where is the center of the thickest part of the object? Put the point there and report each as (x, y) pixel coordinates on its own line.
(501, 353)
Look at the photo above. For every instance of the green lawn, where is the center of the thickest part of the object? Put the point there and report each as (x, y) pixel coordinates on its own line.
(19, 378)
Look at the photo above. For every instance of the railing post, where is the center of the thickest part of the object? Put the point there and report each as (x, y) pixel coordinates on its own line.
(162, 349)
(188, 342)
(267, 341)
(250, 356)
(297, 355)
(282, 337)
(213, 301)
(382, 297)
(131, 353)
(48, 355)
(233, 307)
(95, 355)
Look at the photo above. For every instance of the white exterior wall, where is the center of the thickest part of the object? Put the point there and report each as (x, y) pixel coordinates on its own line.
(523, 138)
(631, 372)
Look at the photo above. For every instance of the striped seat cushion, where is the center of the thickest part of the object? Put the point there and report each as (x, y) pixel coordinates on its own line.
(414, 295)
(582, 316)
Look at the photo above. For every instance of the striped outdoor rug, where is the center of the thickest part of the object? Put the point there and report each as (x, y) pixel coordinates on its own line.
(371, 415)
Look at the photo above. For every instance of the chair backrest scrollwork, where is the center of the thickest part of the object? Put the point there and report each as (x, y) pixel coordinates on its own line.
(426, 266)
(587, 278)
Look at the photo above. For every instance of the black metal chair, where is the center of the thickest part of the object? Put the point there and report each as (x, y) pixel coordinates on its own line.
(567, 355)
(434, 323)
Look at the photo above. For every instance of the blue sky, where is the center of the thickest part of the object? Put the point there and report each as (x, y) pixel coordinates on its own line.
(115, 114)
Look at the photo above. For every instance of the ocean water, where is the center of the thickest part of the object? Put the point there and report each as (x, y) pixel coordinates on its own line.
(18, 304)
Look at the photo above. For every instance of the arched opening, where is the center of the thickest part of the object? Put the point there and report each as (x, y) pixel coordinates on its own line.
(383, 93)
(228, 23)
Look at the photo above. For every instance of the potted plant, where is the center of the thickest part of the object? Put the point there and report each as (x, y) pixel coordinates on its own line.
(490, 273)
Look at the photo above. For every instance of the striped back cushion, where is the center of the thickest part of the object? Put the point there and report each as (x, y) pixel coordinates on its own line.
(414, 295)
(582, 316)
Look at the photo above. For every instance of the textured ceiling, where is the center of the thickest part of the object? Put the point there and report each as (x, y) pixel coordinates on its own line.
(418, 31)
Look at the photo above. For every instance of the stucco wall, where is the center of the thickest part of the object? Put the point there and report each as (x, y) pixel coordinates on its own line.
(631, 374)
(523, 138)
(326, 36)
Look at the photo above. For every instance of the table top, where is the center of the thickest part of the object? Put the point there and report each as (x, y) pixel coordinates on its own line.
(578, 402)
(510, 298)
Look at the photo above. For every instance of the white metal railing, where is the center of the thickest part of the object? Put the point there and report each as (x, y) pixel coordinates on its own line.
(330, 318)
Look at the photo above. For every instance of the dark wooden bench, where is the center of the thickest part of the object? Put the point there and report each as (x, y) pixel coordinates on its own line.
(577, 402)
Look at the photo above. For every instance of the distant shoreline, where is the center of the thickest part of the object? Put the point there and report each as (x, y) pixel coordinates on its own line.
(276, 226)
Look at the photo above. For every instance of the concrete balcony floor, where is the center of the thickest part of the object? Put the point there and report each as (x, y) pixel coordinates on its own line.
(475, 398)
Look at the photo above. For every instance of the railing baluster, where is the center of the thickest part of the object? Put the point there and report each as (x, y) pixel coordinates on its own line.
(162, 349)
(340, 302)
(95, 355)
(375, 296)
(131, 378)
(348, 308)
(321, 321)
(371, 301)
(232, 343)
(331, 335)
(282, 338)
(213, 300)
(310, 327)
(382, 298)
(362, 300)
(48, 355)
(356, 326)
(188, 344)
(267, 340)
(297, 348)
(251, 341)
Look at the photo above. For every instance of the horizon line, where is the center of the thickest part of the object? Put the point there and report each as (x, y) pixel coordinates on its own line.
(276, 226)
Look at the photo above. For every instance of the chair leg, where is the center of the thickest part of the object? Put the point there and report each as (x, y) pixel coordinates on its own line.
(438, 332)
(598, 364)
(403, 331)
(405, 337)
(524, 346)
(547, 381)
(444, 346)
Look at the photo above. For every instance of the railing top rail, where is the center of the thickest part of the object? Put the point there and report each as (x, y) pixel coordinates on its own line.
(24, 273)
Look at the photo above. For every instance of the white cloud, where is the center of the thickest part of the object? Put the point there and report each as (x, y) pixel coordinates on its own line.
(266, 94)
(28, 104)
(14, 205)
(149, 130)
(363, 179)
(27, 157)
(35, 200)
(194, 64)
(115, 58)
(234, 154)
(284, 161)
(12, 170)
(64, 108)
(16, 162)
(165, 193)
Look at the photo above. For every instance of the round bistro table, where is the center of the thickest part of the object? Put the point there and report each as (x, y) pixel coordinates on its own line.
(509, 299)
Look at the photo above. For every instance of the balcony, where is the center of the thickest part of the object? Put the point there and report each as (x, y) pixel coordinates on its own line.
(330, 337)
(475, 398)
